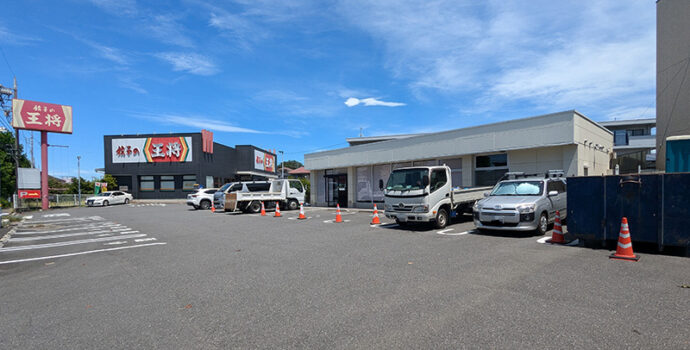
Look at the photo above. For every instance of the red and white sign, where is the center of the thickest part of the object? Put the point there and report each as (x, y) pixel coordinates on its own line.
(207, 141)
(41, 116)
(152, 150)
(264, 161)
(29, 194)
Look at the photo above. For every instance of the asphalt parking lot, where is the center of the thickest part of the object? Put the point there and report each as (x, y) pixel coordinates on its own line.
(165, 276)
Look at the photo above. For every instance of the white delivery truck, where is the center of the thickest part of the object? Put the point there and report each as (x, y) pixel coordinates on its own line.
(426, 194)
(287, 193)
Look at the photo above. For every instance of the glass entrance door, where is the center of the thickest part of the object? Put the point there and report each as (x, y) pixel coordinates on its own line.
(336, 190)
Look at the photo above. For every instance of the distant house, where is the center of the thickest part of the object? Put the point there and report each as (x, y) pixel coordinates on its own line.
(300, 172)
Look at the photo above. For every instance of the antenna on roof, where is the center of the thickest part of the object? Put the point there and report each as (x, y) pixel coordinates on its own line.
(360, 132)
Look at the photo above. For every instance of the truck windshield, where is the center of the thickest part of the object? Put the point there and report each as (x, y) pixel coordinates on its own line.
(518, 188)
(406, 179)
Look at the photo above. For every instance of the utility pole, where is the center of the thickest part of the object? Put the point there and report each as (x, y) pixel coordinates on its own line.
(16, 149)
(79, 178)
(282, 166)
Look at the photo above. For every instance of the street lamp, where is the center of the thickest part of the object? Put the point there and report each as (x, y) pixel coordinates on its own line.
(79, 178)
(282, 165)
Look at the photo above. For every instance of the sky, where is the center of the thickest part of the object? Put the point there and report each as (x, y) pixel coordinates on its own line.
(302, 76)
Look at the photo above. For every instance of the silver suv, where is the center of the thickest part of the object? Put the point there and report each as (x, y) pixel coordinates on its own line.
(522, 202)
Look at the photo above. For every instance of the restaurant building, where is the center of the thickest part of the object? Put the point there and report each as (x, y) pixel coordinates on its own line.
(166, 166)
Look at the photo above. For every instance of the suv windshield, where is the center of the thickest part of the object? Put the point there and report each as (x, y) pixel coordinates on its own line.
(518, 188)
(225, 187)
(406, 179)
(104, 194)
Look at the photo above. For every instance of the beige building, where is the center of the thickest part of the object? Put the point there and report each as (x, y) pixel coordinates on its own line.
(672, 73)
(478, 156)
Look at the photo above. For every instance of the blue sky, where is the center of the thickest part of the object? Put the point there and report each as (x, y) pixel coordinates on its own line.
(302, 76)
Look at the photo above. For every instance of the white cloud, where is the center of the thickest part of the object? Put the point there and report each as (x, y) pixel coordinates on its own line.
(6, 36)
(200, 122)
(189, 62)
(627, 113)
(572, 54)
(117, 7)
(351, 102)
(167, 29)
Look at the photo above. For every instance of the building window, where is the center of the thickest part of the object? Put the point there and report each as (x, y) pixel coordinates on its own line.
(490, 168)
(167, 183)
(455, 166)
(620, 138)
(364, 184)
(188, 182)
(146, 183)
(637, 132)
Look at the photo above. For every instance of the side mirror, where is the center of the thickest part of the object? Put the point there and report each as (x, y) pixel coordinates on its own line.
(425, 180)
(380, 184)
(486, 194)
(553, 193)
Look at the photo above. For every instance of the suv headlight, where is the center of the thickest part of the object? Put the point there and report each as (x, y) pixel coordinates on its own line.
(421, 209)
(525, 208)
(476, 207)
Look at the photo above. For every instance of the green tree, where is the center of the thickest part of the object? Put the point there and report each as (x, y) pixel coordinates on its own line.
(7, 164)
(292, 164)
(86, 186)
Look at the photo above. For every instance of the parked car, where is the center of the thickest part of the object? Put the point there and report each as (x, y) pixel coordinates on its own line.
(110, 197)
(523, 203)
(202, 198)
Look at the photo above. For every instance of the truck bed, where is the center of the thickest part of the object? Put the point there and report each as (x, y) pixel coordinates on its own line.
(467, 195)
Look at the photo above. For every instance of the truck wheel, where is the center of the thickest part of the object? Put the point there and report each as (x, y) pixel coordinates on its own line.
(254, 207)
(543, 224)
(441, 218)
(204, 205)
(292, 204)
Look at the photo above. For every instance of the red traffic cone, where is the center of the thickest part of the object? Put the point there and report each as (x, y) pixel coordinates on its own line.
(213, 208)
(277, 213)
(301, 212)
(375, 220)
(263, 209)
(557, 233)
(338, 217)
(624, 249)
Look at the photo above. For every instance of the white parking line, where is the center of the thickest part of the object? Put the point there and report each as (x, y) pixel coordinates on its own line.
(55, 215)
(61, 244)
(115, 243)
(64, 235)
(443, 232)
(70, 228)
(81, 253)
(333, 221)
(145, 239)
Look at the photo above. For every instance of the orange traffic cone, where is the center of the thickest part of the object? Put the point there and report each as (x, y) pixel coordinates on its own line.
(301, 212)
(263, 209)
(338, 218)
(557, 234)
(277, 214)
(624, 249)
(213, 208)
(375, 220)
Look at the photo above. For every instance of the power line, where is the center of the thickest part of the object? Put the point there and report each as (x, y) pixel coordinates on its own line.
(6, 61)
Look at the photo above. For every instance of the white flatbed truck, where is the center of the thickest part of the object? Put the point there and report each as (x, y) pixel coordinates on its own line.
(288, 193)
(426, 194)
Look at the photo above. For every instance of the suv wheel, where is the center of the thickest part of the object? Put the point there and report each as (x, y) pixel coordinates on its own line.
(441, 218)
(126, 200)
(205, 204)
(543, 224)
(105, 203)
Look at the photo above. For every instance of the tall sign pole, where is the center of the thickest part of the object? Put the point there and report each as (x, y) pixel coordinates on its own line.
(16, 150)
(43, 117)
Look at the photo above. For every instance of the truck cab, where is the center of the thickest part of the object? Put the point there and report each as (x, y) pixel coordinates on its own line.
(419, 194)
